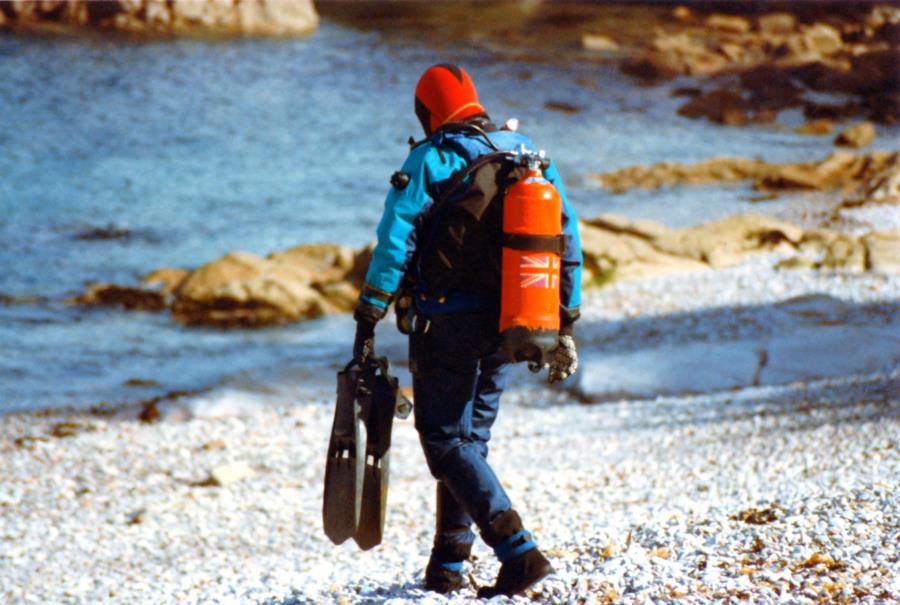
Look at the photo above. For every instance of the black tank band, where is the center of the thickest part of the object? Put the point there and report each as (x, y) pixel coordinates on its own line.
(534, 243)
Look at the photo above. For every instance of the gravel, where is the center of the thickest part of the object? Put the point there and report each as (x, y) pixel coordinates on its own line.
(770, 494)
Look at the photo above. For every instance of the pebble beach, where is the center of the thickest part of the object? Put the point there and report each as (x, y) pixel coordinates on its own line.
(183, 218)
(768, 494)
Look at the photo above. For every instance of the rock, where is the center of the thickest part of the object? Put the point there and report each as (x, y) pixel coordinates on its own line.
(883, 251)
(714, 170)
(210, 14)
(643, 228)
(167, 280)
(723, 105)
(839, 56)
(341, 295)
(757, 516)
(277, 17)
(228, 474)
(858, 135)
(652, 65)
(618, 255)
(724, 242)
(561, 107)
(841, 169)
(817, 40)
(728, 23)
(817, 127)
(324, 262)
(792, 177)
(777, 23)
(771, 88)
(682, 13)
(218, 17)
(598, 43)
(617, 249)
(111, 295)
(241, 289)
(110, 232)
(835, 250)
(883, 186)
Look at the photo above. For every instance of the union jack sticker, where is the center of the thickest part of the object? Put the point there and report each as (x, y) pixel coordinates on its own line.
(539, 271)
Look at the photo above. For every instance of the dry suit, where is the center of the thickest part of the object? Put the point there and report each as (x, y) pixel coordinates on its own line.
(458, 375)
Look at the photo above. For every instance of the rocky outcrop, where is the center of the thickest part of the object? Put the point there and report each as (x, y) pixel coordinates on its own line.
(204, 17)
(618, 249)
(769, 63)
(242, 289)
(245, 290)
(840, 170)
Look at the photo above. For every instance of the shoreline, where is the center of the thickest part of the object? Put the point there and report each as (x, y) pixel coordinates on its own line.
(756, 492)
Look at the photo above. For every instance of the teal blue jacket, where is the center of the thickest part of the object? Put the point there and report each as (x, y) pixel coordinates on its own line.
(429, 165)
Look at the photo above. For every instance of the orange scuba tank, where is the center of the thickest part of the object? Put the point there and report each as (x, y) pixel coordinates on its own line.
(529, 299)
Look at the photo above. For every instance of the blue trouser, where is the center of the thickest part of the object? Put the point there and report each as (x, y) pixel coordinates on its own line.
(458, 377)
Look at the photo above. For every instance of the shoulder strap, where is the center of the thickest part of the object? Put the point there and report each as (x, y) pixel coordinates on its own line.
(457, 179)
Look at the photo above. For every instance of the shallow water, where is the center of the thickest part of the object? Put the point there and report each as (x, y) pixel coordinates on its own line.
(119, 157)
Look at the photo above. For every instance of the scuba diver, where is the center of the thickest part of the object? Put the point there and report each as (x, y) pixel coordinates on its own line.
(441, 268)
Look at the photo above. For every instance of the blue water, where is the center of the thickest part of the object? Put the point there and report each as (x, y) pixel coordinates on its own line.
(195, 148)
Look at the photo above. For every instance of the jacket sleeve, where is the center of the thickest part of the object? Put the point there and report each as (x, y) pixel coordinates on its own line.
(396, 237)
(570, 274)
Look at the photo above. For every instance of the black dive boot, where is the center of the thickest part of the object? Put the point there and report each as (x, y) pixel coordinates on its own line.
(452, 545)
(523, 565)
(444, 571)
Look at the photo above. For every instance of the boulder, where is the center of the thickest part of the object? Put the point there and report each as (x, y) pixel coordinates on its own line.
(218, 17)
(209, 14)
(816, 40)
(728, 23)
(599, 43)
(816, 127)
(856, 136)
(883, 251)
(675, 54)
(242, 289)
(277, 17)
(652, 65)
(723, 105)
(166, 280)
(771, 88)
(777, 23)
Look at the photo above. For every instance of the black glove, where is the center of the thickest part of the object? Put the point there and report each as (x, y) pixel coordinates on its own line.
(366, 316)
(364, 343)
